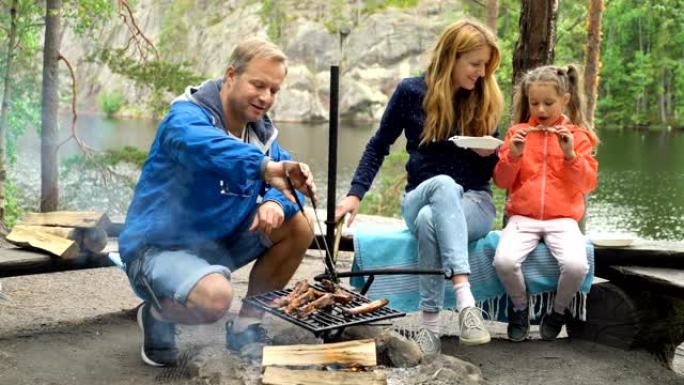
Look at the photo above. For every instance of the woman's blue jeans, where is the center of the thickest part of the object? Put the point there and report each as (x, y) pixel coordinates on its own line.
(444, 219)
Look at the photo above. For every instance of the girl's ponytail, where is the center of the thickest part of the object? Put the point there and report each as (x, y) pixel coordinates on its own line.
(576, 105)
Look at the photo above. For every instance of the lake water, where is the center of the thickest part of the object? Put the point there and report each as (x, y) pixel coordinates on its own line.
(641, 174)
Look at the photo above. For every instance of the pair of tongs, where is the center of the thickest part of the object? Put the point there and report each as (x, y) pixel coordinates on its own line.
(328, 258)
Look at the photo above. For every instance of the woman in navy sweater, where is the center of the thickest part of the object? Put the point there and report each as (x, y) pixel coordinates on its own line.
(448, 199)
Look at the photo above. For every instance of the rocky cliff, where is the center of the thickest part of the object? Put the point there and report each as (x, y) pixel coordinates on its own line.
(375, 48)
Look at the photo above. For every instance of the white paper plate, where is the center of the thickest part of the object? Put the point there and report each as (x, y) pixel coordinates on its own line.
(479, 142)
(612, 240)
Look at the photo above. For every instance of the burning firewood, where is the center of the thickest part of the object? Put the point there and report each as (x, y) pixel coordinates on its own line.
(367, 307)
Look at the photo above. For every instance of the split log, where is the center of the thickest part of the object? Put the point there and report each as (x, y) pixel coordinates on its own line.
(280, 376)
(80, 219)
(53, 244)
(64, 232)
(94, 239)
(91, 239)
(346, 354)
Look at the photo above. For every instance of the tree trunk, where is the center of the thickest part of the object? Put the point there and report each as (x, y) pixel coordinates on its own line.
(592, 60)
(492, 14)
(49, 172)
(537, 38)
(4, 110)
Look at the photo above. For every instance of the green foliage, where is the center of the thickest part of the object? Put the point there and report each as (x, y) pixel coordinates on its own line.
(86, 16)
(174, 28)
(13, 210)
(385, 197)
(109, 158)
(642, 71)
(372, 6)
(272, 14)
(110, 102)
(160, 76)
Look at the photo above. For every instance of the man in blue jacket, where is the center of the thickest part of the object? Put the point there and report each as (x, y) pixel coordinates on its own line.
(212, 197)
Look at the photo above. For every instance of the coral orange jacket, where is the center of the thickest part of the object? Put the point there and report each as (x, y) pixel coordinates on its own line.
(541, 183)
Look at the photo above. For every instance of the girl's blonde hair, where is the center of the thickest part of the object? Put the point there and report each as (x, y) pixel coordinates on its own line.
(474, 113)
(565, 80)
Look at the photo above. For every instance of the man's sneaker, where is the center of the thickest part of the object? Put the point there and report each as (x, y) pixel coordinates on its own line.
(249, 342)
(158, 339)
(518, 324)
(428, 342)
(473, 331)
(551, 325)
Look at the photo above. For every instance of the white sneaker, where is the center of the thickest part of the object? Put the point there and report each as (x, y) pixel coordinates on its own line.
(428, 342)
(473, 331)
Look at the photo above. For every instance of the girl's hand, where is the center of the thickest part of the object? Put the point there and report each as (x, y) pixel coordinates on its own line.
(566, 141)
(517, 144)
(350, 204)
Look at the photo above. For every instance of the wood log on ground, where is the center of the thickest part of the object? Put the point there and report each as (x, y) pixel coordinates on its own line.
(346, 354)
(80, 219)
(94, 239)
(280, 376)
(53, 244)
(64, 232)
(626, 316)
(91, 239)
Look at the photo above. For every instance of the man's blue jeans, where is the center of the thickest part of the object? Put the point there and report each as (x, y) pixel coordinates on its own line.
(444, 219)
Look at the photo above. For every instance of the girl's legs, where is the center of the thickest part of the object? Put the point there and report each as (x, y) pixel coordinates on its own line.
(520, 236)
(567, 245)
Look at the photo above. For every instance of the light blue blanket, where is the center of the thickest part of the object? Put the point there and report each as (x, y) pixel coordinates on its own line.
(381, 247)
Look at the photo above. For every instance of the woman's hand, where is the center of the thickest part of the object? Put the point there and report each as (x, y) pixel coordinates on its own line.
(566, 141)
(517, 144)
(349, 205)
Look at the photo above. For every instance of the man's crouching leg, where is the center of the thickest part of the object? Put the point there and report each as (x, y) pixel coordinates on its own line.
(189, 291)
(272, 271)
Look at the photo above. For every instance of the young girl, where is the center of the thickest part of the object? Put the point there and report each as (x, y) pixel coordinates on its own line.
(546, 164)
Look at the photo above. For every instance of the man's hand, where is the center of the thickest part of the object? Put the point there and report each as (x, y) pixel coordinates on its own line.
(277, 173)
(269, 216)
(350, 204)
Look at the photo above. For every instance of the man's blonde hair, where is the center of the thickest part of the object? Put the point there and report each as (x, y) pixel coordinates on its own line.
(252, 48)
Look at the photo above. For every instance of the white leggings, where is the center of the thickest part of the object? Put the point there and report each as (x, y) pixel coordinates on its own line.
(565, 242)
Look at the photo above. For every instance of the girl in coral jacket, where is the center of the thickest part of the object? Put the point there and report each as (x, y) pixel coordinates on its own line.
(546, 164)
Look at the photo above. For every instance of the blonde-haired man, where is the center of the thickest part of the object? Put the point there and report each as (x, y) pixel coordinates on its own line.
(212, 197)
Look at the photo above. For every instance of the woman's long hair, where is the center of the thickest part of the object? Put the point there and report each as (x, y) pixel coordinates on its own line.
(474, 113)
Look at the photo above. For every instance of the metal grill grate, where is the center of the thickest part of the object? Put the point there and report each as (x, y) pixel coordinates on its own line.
(328, 319)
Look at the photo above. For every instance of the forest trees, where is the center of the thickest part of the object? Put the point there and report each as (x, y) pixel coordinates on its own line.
(642, 73)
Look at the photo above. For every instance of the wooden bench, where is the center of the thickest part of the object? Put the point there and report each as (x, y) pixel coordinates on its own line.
(642, 305)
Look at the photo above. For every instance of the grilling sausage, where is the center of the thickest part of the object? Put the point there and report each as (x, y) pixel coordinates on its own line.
(367, 307)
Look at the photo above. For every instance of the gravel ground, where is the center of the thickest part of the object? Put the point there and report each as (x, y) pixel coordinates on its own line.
(78, 328)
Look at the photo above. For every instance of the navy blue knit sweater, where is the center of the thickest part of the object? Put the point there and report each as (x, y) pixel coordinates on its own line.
(404, 112)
